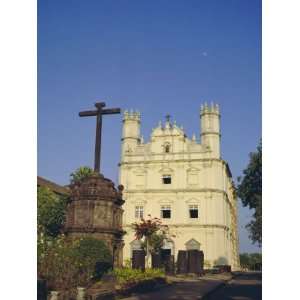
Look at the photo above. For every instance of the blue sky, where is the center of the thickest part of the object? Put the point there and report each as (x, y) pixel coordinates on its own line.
(157, 57)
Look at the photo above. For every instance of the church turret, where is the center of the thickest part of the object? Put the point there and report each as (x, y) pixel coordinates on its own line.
(210, 128)
(131, 131)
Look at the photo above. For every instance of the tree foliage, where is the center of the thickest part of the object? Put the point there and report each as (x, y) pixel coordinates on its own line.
(145, 228)
(81, 173)
(250, 192)
(156, 241)
(51, 211)
(250, 260)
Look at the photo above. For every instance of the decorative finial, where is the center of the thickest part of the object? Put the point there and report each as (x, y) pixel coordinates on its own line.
(142, 140)
(168, 125)
(194, 137)
(168, 118)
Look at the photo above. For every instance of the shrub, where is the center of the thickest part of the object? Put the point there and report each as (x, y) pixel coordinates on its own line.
(80, 174)
(127, 276)
(67, 263)
(93, 257)
(55, 263)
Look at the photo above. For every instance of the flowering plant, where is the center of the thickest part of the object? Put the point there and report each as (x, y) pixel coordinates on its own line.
(153, 231)
(146, 228)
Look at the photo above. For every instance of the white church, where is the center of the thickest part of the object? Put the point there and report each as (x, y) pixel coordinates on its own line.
(184, 183)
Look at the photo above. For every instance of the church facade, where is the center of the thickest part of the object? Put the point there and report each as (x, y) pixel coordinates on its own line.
(184, 183)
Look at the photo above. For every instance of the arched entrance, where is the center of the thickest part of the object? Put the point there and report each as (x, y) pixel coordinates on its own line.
(168, 247)
(135, 245)
(167, 255)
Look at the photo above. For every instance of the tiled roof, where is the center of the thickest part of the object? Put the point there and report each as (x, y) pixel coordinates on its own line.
(56, 188)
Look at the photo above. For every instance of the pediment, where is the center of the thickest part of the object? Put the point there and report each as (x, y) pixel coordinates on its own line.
(166, 170)
(193, 170)
(192, 201)
(165, 201)
(139, 201)
(136, 245)
(139, 170)
(192, 244)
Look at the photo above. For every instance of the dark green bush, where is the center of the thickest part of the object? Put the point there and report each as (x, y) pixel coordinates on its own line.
(101, 268)
(93, 256)
(67, 263)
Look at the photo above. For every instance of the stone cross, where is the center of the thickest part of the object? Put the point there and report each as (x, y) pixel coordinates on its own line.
(98, 113)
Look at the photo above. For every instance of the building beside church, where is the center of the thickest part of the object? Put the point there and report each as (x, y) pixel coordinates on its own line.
(185, 183)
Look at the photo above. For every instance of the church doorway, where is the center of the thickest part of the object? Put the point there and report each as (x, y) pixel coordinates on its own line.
(165, 253)
(167, 256)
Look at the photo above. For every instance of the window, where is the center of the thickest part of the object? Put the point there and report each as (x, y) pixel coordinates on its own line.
(166, 212)
(193, 210)
(139, 212)
(166, 179)
(167, 148)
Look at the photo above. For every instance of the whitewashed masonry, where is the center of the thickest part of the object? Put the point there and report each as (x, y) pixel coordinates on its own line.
(183, 182)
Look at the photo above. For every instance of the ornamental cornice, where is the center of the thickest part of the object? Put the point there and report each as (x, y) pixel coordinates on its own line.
(184, 160)
(206, 112)
(183, 225)
(211, 132)
(149, 191)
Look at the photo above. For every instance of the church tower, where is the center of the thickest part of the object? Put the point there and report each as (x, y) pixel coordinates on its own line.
(210, 128)
(131, 131)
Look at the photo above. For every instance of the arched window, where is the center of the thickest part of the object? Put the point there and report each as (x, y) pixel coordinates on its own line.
(166, 147)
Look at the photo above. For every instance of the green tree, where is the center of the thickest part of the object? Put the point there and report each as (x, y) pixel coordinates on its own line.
(250, 260)
(244, 260)
(51, 211)
(250, 192)
(81, 173)
(156, 241)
